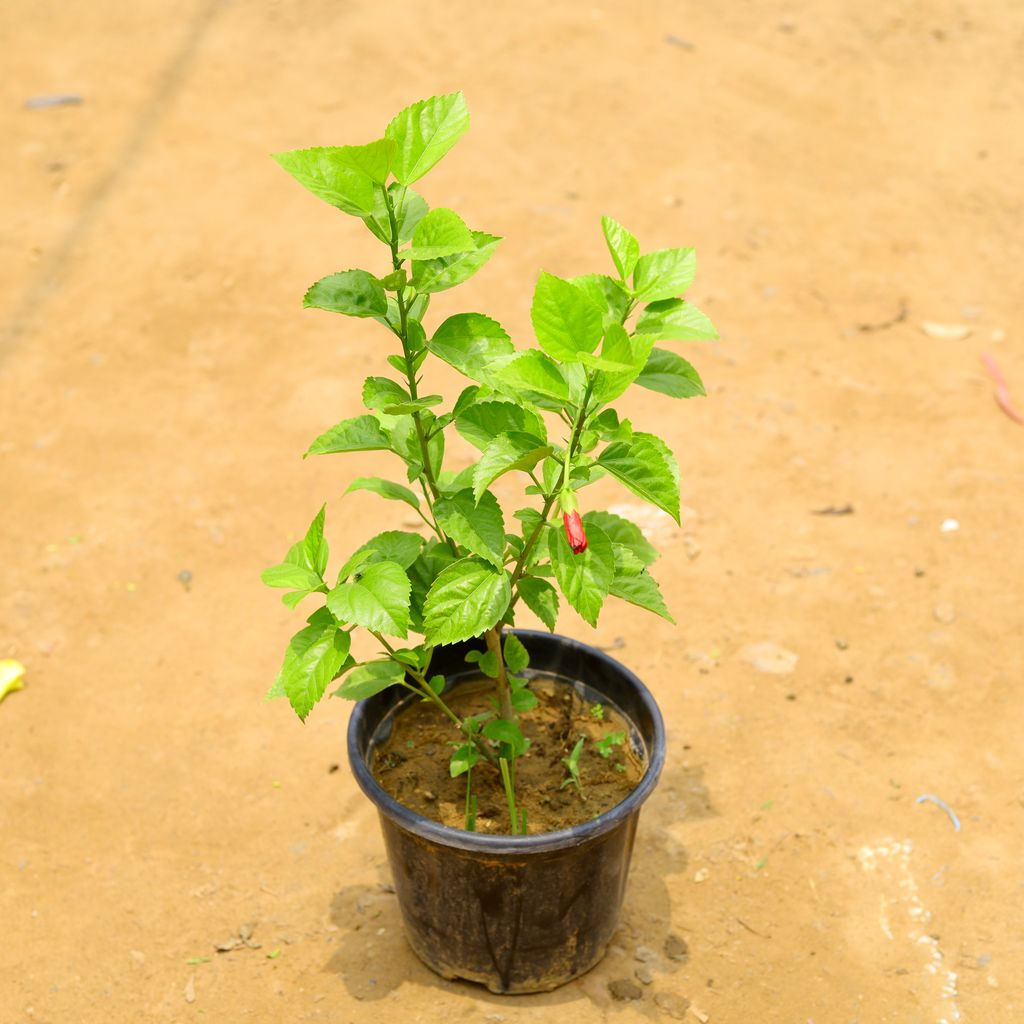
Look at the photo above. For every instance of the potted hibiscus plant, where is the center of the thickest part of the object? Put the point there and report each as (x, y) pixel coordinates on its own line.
(508, 765)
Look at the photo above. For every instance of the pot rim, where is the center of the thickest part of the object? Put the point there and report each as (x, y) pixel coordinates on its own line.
(445, 835)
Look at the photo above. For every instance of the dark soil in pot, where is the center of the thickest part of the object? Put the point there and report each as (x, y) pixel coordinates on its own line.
(515, 913)
(411, 764)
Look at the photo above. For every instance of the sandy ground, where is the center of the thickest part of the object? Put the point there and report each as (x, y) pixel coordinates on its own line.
(834, 164)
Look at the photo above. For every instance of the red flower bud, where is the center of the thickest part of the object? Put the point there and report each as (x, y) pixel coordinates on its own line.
(574, 532)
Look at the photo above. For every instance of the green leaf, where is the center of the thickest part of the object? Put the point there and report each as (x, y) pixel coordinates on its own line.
(478, 527)
(472, 343)
(380, 392)
(504, 454)
(622, 531)
(523, 700)
(481, 423)
(675, 320)
(406, 442)
(291, 577)
(377, 599)
(463, 758)
(424, 132)
(385, 488)
(623, 246)
(313, 658)
(304, 565)
(585, 578)
(334, 174)
(647, 468)
(605, 293)
(360, 434)
(442, 232)
(564, 319)
(448, 271)
(642, 591)
(533, 373)
(467, 598)
(630, 353)
(671, 375)
(433, 559)
(501, 731)
(664, 274)
(516, 656)
(396, 546)
(410, 208)
(371, 678)
(541, 598)
(352, 292)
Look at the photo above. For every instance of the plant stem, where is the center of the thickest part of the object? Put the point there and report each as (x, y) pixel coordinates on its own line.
(493, 638)
(550, 499)
(510, 794)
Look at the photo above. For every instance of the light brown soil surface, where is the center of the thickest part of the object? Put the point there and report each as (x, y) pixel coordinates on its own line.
(835, 164)
(411, 762)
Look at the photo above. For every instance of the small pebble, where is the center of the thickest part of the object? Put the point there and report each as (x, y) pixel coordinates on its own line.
(702, 876)
(645, 954)
(949, 525)
(842, 645)
(676, 948)
(625, 990)
(643, 974)
(675, 1006)
(945, 612)
(185, 579)
(848, 680)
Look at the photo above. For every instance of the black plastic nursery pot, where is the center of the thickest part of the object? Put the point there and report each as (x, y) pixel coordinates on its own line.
(515, 913)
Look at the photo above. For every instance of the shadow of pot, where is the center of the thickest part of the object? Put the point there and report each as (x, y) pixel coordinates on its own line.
(518, 914)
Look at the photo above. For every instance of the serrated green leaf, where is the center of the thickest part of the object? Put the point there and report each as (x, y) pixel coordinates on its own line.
(304, 564)
(605, 293)
(532, 373)
(675, 320)
(671, 375)
(359, 434)
(517, 657)
(432, 560)
(627, 562)
(352, 292)
(584, 579)
(482, 422)
(424, 132)
(313, 658)
(380, 392)
(643, 591)
(378, 599)
(406, 442)
(664, 274)
(441, 232)
(385, 488)
(467, 598)
(330, 173)
(623, 531)
(448, 271)
(630, 355)
(473, 343)
(507, 452)
(369, 679)
(564, 319)
(647, 467)
(396, 546)
(479, 527)
(291, 577)
(410, 208)
(623, 246)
